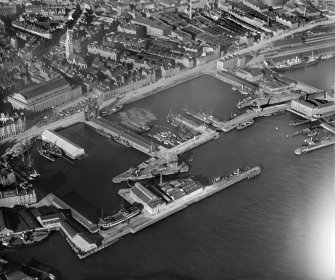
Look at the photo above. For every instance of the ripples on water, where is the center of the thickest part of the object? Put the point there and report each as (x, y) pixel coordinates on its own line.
(277, 225)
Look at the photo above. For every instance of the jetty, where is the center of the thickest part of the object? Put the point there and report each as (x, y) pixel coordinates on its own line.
(134, 140)
(251, 114)
(146, 219)
(314, 146)
(202, 116)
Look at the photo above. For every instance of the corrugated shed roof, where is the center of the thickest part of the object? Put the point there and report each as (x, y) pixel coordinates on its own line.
(70, 148)
(42, 88)
(29, 219)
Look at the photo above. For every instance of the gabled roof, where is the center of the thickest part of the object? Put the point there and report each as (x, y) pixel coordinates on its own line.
(42, 88)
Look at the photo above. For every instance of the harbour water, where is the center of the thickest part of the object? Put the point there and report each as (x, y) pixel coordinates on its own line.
(280, 224)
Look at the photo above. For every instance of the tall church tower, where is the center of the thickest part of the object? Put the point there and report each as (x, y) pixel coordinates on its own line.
(68, 44)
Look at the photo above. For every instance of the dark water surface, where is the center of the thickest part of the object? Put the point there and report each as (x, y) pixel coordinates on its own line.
(278, 225)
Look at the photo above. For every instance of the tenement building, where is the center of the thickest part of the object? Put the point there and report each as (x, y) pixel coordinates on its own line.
(11, 126)
(45, 95)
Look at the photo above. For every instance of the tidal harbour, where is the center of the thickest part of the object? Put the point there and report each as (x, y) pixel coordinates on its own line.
(77, 192)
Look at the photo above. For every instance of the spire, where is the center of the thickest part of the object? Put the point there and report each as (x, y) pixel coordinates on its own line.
(68, 44)
(190, 15)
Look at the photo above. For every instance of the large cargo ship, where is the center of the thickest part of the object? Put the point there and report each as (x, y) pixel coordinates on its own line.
(296, 62)
(121, 216)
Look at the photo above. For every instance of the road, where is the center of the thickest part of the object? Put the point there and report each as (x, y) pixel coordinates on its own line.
(265, 42)
(167, 82)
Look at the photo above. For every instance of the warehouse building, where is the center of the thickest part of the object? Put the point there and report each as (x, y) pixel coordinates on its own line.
(313, 107)
(154, 27)
(152, 203)
(70, 149)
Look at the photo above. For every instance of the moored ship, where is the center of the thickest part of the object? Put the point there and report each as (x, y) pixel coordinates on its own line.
(298, 122)
(123, 215)
(25, 239)
(44, 153)
(245, 124)
(296, 62)
(121, 141)
(135, 126)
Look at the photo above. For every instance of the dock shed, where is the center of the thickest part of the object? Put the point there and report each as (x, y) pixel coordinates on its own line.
(70, 149)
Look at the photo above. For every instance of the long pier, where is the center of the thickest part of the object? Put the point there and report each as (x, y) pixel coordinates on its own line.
(194, 142)
(136, 141)
(206, 134)
(231, 124)
(322, 144)
(145, 219)
(328, 127)
(202, 116)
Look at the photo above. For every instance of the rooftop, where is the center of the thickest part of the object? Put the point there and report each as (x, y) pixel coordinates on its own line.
(42, 88)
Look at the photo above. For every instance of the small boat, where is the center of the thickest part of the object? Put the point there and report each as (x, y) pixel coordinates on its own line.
(298, 122)
(117, 108)
(313, 133)
(245, 124)
(121, 141)
(279, 112)
(34, 174)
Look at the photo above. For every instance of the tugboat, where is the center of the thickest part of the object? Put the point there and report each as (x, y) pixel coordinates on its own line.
(245, 124)
(123, 215)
